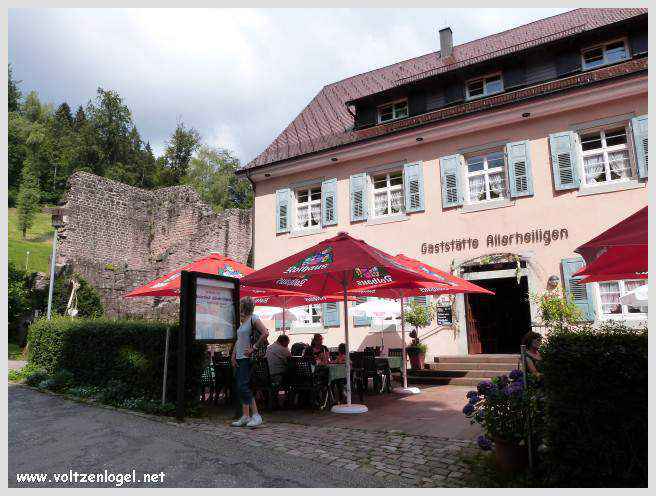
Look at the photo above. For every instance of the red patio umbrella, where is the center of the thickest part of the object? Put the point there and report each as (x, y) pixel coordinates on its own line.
(618, 252)
(443, 283)
(335, 265)
(215, 263)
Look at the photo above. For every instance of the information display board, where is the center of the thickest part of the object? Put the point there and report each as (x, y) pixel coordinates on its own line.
(444, 315)
(215, 314)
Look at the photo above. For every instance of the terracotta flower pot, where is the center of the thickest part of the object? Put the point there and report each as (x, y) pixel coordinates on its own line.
(417, 359)
(510, 457)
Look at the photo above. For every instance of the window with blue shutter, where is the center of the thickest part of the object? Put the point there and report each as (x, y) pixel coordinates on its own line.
(288, 324)
(283, 210)
(330, 314)
(580, 294)
(564, 160)
(413, 184)
(358, 185)
(519, 169)
(329, 202)
(450, 175)
(641, 143)
(361, 321)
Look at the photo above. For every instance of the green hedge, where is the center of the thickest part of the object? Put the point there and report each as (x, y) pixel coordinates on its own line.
(596, 406)
(104, 353)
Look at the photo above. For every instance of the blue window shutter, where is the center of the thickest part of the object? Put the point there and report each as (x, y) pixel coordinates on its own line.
(413, 184)
(519, 168)
(451, 181)
(564, 160)
(358, 197)
(329, 202)
(641, 142)
(361, 321)
(288, 324)
(420, 300)
(330, 314)
(283, 210)
(580, 294)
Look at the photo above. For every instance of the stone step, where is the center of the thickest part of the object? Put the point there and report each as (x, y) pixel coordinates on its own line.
(452, 372)
(509, 359)
(500, 367)
(453, 381)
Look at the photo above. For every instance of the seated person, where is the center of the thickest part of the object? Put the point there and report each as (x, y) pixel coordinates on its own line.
(277, 355)
(317, 351)
(341, 354)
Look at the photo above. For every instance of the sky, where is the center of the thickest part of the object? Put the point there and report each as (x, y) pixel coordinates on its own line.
(238, 76)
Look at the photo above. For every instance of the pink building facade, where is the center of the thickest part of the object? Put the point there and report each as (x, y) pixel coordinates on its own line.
(498, 186)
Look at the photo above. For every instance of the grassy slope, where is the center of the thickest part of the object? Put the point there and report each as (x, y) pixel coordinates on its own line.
(38, 242)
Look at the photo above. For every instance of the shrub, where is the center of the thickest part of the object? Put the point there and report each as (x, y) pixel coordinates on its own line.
(596, 406)
(35, 378)
(102, 352)
(18, 297)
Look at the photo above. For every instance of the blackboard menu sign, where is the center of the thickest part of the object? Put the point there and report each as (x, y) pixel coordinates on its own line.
(444, 315)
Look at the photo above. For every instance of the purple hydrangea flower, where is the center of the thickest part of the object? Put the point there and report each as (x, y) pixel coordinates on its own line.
(474, 399)
(468, 409)
(484, 443)
(484, 387)
(472, 393)
(514, 388)
(515, 375)
(479, 415)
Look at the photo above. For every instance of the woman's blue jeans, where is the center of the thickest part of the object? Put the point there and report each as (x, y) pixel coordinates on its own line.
(243, 378)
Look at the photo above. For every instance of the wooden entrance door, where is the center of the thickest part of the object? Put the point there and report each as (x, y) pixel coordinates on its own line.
(473, 330)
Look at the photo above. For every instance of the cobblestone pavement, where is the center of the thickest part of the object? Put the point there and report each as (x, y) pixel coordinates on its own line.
(406, 460)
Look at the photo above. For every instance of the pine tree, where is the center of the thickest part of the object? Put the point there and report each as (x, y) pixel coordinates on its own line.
(180, 148)
(63, 118)
(80, 119)
(29, 196)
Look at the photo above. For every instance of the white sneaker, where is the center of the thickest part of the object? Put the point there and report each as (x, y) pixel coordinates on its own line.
(255, 421)
(244, 420)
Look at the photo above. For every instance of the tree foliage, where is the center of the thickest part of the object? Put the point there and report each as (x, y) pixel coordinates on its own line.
(212, 173)
(29, 197)
(101, 137)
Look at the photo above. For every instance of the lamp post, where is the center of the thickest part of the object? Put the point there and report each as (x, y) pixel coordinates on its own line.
(57, 222)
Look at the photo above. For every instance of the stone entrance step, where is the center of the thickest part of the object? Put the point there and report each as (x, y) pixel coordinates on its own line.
(511, 359)
(466, 370)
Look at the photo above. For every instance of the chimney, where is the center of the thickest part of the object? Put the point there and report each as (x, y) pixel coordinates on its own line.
(446, 42)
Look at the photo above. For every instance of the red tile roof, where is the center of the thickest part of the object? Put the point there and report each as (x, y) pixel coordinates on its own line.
(326, 123)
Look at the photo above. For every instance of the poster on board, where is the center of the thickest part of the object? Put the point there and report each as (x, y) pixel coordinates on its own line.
(215, 315)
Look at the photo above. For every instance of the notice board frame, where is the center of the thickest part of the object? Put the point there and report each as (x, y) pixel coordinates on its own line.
(188, 285)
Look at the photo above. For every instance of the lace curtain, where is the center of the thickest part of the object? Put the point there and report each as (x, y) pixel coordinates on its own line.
(497, 184)
(619, 163)
(610, 297)
(397, 201)
(477, 188)
(316, 214)
(594, 167)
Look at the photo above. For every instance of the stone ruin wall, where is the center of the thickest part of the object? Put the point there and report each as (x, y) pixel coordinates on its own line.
(119, 237)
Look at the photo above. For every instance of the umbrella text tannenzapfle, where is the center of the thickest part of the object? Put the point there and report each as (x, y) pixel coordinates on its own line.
(334, 266)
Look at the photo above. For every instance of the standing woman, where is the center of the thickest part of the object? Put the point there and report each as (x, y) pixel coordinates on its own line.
(532, 341)
(251, 326)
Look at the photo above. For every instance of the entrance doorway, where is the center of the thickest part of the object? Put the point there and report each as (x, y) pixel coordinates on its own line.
(496, 324)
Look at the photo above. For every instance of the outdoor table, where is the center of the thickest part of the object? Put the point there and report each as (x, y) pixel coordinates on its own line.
(395, 362)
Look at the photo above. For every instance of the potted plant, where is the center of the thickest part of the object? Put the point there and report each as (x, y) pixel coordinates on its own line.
(501, 407)
(417, 315)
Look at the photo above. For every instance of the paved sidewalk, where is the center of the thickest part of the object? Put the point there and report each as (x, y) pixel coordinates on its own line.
(406, 460)
(16, 364)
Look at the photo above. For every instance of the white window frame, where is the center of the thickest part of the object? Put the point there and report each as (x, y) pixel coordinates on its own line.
(485, 90)
(605, 57)
(310, 202)
(394, 111)
(388, 189)
(625, 314)
(604, 150)
(316, 312)
(486, 173)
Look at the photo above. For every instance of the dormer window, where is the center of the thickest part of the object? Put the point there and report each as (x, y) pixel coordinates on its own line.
(485, 86)
(605, 54)
(392, 111)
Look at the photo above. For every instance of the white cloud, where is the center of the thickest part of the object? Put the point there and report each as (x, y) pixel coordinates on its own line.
(238, 75)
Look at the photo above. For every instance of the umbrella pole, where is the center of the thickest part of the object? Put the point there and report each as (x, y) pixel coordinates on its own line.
(284, 309)
(348, 349)
(405, 363)
(349, 407)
